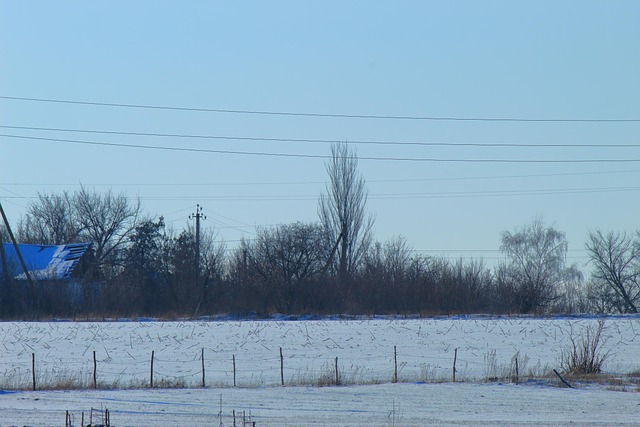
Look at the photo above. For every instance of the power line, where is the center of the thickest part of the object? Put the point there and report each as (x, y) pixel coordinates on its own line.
(230, 219)
(12, 192)
(159, 147)
(280, 183)
(314, 156)
(465, 194)
(323, 141)
(390, 196)
(322, 115)
(15, 196)
(229, 226)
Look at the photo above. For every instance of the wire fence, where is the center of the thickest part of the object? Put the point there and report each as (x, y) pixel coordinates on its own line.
(106, 355)
(217, 369)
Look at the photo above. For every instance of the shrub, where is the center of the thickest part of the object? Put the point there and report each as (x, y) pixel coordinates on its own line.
(585, 355)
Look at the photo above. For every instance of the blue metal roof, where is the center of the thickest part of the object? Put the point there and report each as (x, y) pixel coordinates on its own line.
(44, 261)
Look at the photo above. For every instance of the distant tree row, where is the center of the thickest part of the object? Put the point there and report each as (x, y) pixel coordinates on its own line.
(138, 267)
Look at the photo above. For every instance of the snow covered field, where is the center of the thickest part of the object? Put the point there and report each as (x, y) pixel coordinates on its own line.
(460, 404)
(365, 352)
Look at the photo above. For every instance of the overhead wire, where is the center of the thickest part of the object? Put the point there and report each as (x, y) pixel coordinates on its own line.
(390, 196)
(316, 156)
(229, 226)
(357, 116)
(280, 183)
(324, 115)
(16, 195)
(322, 141)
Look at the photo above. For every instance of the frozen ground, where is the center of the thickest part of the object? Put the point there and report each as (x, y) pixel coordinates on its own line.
(460, 404)
(425, 348)
(63, 356)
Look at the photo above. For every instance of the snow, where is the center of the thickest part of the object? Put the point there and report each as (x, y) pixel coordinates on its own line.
(406, 404)
(365, 350)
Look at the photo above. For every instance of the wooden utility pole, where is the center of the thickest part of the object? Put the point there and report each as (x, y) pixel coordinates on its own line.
(16, 247)
(6, 289)
(198, 215)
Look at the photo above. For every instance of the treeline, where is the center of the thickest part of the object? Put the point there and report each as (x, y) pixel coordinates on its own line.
(143, 269)
(138, 267)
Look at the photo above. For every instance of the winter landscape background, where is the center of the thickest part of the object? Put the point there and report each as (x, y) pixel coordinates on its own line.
(485, 392)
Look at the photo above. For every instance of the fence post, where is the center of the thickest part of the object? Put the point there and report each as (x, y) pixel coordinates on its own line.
(233, 359)
(455, 358)
(517, 373)
(337, 373)
(151, 377)
(33, 370)
(395, 365)
(281, 368)
(203, 367)
(95, 368)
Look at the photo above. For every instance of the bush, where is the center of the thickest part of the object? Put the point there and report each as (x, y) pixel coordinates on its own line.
(585, 355)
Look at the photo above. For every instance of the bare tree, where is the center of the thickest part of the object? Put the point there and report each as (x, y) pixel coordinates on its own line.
(286, 258)
(373, 289)
(107, 220)
(573, 296)
(397, 255)
(342, 210)
(383, 276)
(475, 281)
(616, 275)
(52, 219)
(536, 265)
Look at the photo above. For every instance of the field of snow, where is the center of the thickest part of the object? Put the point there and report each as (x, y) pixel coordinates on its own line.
(424, 349)
(407, 404)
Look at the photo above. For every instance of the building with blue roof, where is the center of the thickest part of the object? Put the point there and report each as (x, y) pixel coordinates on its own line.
(44, 262)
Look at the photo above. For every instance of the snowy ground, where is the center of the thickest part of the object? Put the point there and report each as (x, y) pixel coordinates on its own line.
(460, 404)
(63, 355)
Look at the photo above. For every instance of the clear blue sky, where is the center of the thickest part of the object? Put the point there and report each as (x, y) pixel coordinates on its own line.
(491, 59)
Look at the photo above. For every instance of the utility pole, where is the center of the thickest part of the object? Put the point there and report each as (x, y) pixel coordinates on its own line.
(19, 254)
(198, 215)
(16, 247)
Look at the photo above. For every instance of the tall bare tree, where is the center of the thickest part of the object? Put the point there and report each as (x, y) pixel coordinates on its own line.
(536, 265)
(107, 220)
(342, 210)
(616, 275)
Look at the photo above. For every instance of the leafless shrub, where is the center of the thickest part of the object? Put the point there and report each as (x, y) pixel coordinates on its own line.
(175, 382)
(327, 376)
(585, 355)
(433, 374)
(491, 366)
